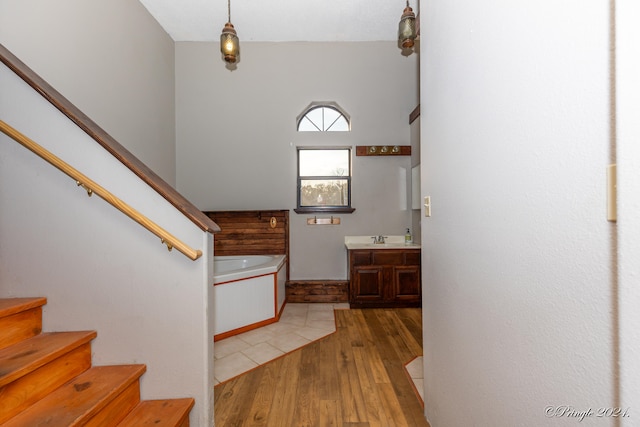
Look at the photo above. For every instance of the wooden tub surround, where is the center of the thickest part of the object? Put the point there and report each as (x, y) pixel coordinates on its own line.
(243, 233)
(251, 232)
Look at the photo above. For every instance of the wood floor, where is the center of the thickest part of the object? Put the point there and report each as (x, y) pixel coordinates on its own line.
(352, 378)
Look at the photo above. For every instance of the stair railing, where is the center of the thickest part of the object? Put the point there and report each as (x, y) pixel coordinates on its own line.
(92, 187)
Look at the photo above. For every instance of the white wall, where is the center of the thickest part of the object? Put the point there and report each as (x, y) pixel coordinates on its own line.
(236, 135)
(517, 257)
(628, 111)
(111, 59)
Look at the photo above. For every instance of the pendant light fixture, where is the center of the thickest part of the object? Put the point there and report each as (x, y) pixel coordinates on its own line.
(229, 42)
(407, 28)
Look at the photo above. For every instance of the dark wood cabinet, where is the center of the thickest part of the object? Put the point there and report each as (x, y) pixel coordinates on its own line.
(384, 278)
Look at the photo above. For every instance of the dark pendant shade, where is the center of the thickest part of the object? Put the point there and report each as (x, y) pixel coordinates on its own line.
(229, 43)
(407, 28)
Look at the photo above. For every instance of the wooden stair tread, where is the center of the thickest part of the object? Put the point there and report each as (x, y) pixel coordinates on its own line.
(26, 356)
(9, 306)
(160, 413)
(78, 401)
(20, 319)
(46, 379)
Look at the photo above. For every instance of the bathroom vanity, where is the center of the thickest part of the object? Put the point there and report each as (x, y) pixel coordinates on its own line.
(383, 275)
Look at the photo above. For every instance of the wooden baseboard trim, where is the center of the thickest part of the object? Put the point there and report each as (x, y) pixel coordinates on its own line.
(243, 329)
(250, 327)
(322, 291)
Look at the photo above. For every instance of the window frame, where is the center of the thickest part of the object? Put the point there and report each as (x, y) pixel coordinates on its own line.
(324, 208)
(326, 104)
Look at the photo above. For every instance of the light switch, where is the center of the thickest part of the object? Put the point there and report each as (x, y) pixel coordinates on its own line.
(427, 206)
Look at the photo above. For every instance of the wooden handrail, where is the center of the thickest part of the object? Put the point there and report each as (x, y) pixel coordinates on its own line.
(92, 187)
(116, 149)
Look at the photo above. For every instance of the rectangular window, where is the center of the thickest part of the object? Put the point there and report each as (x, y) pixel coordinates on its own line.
(324, 180)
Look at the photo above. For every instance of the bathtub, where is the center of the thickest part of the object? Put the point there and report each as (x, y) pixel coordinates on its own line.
(249, 292)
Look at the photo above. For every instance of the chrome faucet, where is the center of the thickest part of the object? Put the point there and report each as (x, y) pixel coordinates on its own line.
(378, 240)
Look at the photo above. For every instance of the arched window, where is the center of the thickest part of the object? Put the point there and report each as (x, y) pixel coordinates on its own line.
(324, 173)
(323, 117)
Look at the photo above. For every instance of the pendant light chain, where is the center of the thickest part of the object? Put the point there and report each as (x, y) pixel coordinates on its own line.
(229, 9)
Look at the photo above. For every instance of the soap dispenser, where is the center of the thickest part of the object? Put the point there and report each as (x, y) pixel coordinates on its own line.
(408, 239)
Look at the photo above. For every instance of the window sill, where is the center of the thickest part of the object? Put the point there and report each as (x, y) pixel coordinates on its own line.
(324, 210)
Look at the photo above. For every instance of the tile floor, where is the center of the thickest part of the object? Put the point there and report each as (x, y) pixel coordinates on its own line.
(299, 325)
(415, 371)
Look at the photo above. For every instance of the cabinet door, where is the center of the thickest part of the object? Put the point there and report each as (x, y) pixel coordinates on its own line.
(367, 284)
(407, 283)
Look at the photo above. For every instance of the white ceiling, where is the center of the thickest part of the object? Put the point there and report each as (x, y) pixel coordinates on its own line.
(281, 20)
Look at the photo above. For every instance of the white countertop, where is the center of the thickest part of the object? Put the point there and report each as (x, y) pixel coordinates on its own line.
(366, 242)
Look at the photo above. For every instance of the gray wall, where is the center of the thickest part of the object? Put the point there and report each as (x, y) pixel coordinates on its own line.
(236, 135)
(98, 269)
(416, 213)
(111, 59)
(115, 63)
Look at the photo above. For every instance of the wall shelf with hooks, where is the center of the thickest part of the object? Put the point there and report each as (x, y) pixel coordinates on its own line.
(383, 150)
(323, 221)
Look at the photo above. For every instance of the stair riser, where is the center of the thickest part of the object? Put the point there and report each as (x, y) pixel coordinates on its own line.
(22, 393)
(20, 326)
(117, 409)
(160, 413)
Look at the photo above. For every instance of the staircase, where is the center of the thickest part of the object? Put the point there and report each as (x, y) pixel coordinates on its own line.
(46, 379)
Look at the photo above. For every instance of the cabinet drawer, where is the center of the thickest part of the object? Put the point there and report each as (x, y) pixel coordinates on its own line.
(412, 258)
(393, 257)
(360, 258)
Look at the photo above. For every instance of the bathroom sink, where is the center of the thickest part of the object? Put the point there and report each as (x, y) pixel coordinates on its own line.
(382, 245)
(366, 242)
